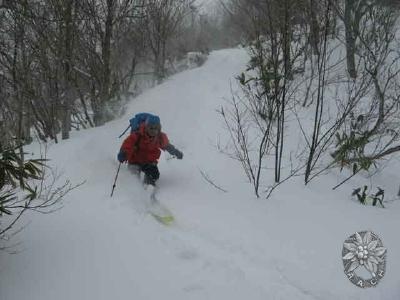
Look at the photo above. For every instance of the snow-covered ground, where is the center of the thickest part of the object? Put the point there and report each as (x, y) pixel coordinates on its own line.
(222, 246)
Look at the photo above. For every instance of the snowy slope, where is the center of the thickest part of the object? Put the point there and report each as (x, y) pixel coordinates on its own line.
(223, 245)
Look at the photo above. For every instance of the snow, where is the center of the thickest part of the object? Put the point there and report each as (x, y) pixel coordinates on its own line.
(223, 245)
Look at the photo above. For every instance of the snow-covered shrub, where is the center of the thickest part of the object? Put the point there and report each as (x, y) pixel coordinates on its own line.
(26, 185)
(195, 59)
(369, 199)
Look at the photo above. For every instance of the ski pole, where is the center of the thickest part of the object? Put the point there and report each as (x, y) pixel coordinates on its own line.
(124, 131)
(115, 180)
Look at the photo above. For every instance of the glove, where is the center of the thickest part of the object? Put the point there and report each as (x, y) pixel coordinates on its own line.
(178, 154)
(121, 156)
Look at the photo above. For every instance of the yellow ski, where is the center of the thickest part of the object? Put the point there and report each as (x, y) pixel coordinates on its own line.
(161, 213)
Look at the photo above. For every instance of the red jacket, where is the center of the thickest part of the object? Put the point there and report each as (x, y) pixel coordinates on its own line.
(140, 148)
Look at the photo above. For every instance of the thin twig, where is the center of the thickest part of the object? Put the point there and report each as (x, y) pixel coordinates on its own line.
(206, 177)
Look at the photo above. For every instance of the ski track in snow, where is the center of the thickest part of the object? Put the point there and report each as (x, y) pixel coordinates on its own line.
(222, 245)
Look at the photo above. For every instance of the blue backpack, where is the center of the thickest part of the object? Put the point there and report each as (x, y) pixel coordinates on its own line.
(136, 121)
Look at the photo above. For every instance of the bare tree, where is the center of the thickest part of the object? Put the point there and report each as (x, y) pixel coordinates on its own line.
(63, 52)
(266, 86)
(161, 22)
(373, 131)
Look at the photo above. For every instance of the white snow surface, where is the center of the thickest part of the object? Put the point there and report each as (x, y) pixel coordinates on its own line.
(223, 245)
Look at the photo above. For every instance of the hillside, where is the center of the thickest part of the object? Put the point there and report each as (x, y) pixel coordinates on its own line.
(224, 245)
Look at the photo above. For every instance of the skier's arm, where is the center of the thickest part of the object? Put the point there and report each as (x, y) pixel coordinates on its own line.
(167, 146)
(173, 151)
(127, 147)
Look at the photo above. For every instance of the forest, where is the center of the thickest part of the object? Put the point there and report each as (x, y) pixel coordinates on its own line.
(71, 65)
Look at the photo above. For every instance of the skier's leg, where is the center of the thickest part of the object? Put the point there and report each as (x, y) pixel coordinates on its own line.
(151, 173)
(134, 169)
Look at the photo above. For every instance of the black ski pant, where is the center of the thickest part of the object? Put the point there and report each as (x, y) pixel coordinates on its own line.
(150, 170)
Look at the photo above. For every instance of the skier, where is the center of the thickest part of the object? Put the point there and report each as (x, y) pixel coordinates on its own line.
(141, 149)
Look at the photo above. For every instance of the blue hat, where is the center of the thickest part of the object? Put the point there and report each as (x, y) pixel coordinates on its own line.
(153, 120)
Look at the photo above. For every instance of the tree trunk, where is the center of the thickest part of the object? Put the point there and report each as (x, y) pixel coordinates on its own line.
(68, 48)
(315, 28)
(99, 116)
(350, 38)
